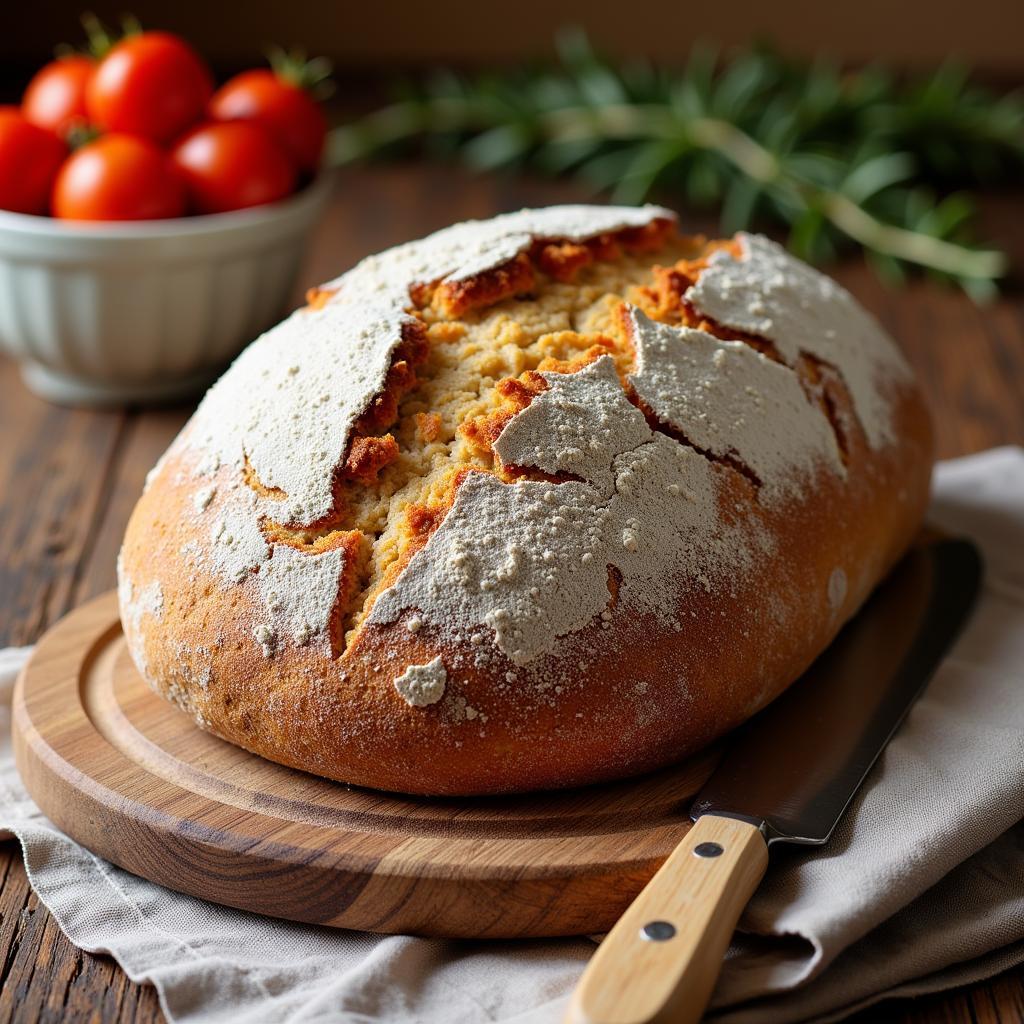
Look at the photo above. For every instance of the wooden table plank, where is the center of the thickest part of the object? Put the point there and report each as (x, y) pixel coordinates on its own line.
(55, 465)
(143, 439)
(69, 478)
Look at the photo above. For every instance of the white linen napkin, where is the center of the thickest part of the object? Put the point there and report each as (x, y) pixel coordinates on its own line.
(922, 887)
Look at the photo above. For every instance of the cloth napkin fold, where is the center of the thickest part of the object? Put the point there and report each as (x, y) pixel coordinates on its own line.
(921, 888)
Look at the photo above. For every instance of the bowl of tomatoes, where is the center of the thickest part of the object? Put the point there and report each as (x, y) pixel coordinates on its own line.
(151, 224)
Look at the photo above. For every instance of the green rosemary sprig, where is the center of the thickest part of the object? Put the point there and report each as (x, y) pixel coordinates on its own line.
(837, 158)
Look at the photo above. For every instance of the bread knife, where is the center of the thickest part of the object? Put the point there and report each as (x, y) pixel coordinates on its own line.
(787, 777)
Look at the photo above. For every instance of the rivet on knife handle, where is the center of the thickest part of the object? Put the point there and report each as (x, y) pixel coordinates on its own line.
(660, 962)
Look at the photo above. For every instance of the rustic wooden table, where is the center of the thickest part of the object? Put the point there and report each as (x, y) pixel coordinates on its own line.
(69, 478)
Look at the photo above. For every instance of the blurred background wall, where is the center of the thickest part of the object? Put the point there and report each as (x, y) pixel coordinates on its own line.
(379, 35)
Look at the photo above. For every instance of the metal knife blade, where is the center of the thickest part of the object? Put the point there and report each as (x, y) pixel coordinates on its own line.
(796, 766)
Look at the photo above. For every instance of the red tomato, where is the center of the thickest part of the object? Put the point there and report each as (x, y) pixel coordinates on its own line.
(151, 84)
(30, 157)
(289, 113)
(230, 165)
(55, 98)
(118, 177)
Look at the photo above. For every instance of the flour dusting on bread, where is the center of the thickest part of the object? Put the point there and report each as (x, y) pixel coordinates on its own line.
(532, 561)
(291, 399)
(237, 546)
(730, 400)
(299, 590)
(423, 685)
(135, 604)
(773, 295)
(577, 426)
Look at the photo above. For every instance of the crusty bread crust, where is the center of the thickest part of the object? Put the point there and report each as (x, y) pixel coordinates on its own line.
(647, 696)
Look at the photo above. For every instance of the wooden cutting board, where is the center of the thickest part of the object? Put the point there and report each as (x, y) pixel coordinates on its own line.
(133, 779)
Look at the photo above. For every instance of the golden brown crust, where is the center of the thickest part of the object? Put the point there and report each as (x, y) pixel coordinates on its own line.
(636, 704)
(455, 298)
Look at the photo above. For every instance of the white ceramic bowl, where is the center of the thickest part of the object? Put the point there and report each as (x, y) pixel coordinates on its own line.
(102, 314)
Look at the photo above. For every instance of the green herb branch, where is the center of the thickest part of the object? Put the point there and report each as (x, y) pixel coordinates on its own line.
(835, 158)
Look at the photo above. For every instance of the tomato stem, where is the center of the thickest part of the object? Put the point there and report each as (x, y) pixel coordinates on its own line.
(99, 40)
(81, 134)
(313, 75)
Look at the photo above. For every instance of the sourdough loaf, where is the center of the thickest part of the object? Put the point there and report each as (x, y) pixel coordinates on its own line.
(536, 501)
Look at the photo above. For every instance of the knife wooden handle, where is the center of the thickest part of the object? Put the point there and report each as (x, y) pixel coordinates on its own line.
(659, 964)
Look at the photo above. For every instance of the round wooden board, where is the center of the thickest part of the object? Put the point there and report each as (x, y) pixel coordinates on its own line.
(133, 779)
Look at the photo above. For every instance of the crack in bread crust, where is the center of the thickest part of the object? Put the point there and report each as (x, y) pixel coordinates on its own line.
(473, 359)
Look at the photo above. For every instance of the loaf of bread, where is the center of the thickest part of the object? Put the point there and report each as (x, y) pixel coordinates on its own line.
(534, 502)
